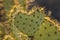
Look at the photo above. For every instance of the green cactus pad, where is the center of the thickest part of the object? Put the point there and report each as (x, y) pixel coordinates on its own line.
(29, 24)
(47, 31)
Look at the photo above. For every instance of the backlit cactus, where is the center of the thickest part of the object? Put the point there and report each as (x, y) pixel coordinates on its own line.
(23, 24)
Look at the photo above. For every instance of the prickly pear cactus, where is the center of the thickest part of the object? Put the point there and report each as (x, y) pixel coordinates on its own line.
(28, 24)
(25, 24)
(47, 31)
